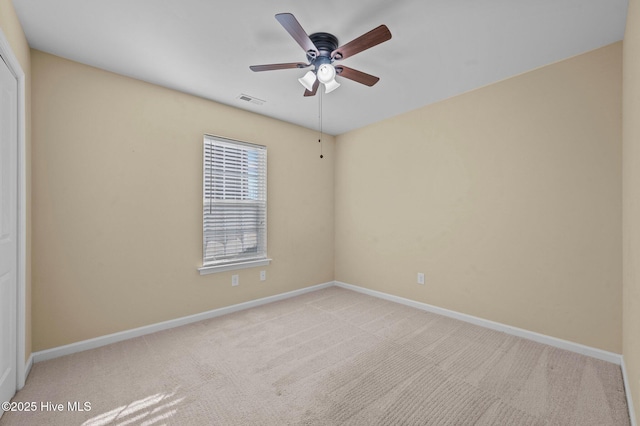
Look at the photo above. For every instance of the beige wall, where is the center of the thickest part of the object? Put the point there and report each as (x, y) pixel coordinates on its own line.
(117, 180)
(508, 198)
(631, 200)
(12, 29)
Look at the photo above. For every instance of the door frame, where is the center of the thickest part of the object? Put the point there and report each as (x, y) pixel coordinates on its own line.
(22, 366)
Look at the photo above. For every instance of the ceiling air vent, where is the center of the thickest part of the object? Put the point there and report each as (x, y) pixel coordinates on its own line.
(250, 99)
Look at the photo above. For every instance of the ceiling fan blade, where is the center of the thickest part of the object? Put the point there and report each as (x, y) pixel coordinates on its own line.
(355, 75)
(365, 41)
(293, 27)
(314, 89)
(271, 67)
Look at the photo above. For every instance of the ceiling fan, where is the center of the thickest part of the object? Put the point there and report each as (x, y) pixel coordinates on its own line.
(322, 50)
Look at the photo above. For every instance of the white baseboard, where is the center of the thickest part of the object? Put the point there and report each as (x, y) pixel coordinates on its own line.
(27, 369)
(526, 334)
(141, 331)
(627, 391)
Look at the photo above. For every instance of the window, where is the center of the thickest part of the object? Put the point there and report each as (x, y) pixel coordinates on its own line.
(234, 205)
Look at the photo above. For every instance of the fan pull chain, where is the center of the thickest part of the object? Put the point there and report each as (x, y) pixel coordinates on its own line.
(320, 123)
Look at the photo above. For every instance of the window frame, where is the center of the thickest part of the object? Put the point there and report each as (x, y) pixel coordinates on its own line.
(261, 258)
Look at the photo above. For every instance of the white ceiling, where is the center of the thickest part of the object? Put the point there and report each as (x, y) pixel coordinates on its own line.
(439, 48)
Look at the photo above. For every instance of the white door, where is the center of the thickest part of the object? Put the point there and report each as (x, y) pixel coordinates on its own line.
(8, 230)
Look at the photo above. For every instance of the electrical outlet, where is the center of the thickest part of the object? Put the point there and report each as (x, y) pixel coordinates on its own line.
(235, 280)
(263, 275)
(420, 278)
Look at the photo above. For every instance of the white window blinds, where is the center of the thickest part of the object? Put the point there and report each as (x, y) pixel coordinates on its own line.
(235, 202)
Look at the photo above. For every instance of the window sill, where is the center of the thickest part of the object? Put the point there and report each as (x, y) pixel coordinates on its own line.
(205, 270)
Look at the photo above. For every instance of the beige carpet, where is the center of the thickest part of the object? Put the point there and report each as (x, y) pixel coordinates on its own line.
(329, 357)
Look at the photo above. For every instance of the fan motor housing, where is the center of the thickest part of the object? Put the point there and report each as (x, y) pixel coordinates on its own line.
(325, 43)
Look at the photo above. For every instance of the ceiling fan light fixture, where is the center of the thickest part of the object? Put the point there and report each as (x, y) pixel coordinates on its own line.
(326, 73)
(308, 80)
(327, 76)
(331, 86)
